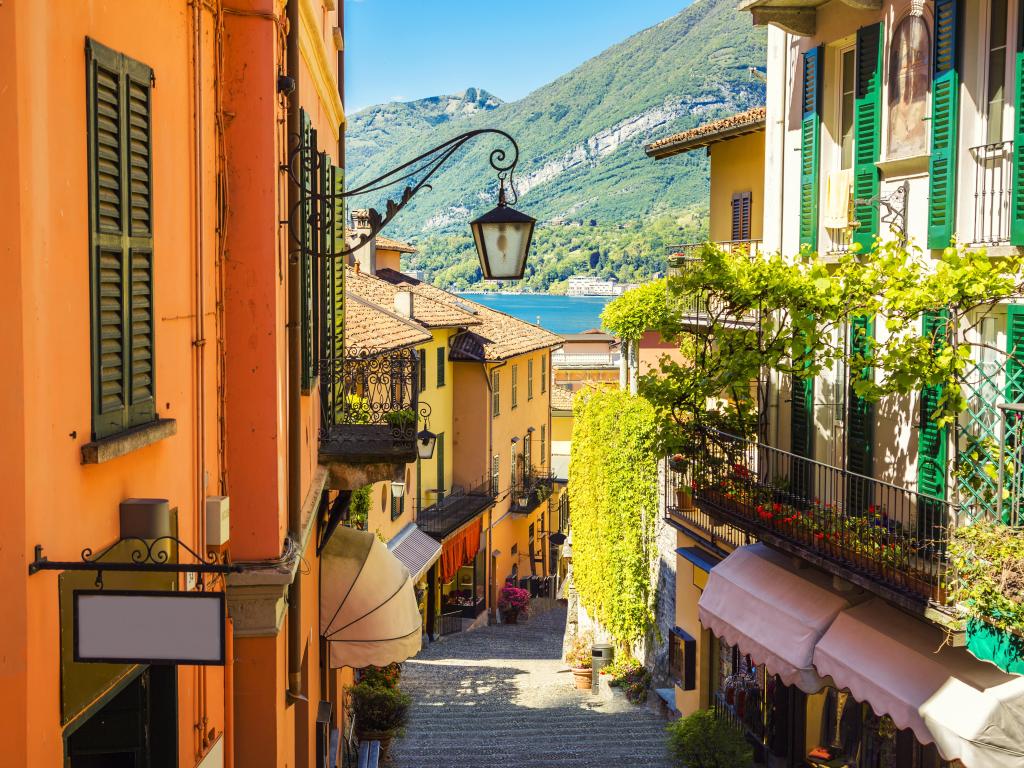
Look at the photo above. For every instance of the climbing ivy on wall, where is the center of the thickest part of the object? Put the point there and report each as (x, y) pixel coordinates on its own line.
(613, 505)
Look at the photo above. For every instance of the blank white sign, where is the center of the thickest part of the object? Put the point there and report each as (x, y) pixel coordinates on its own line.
(149, 627)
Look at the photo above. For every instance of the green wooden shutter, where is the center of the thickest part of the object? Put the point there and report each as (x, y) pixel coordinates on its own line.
(307, 245)
(1017, 179)
(1015, 353)
(932, 446)
(945, 114)
(802, 417)
(860, 421)
(810, 141)
(338, 284)
(867, 118)
(119, 117)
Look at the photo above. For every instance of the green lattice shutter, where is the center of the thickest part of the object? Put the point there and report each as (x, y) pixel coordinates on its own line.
(119, 124)
(1015, 353)
(307, 242)
(860, 434)
(810, 140)
(338, 286)
(867, 118)
(945, 113)
(932, 444)
(1017, 204)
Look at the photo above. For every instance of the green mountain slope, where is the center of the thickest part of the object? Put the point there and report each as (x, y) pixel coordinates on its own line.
(581, 137)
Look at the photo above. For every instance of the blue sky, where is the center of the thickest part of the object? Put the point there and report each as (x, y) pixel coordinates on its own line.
(399, 50)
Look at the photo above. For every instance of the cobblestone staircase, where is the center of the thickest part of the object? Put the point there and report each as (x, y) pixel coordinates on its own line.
(495, 697)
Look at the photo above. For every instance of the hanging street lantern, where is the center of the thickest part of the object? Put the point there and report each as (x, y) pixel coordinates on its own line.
(425, 441)
(503, 238)
(398, 489)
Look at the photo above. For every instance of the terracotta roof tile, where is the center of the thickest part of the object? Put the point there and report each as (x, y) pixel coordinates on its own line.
(368, 326)
(394, 245)
(497, 336)
(561, 398)
(426, 310)
(735, 125)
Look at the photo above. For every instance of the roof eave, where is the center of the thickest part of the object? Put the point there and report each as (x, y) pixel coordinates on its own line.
(681, 147)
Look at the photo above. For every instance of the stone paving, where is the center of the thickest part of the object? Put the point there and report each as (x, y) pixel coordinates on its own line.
(496, 697)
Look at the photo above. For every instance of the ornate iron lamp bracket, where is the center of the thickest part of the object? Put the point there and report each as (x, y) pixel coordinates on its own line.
(146, 556)
(892, 209)
(417, 173)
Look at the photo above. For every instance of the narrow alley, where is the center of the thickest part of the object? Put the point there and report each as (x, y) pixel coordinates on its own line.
(496, 697)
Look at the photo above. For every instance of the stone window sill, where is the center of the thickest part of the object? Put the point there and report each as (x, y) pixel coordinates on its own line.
(108, 448)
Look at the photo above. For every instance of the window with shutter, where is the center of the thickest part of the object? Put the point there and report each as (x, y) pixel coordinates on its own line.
(810, 140)
(529, 379)
(1017, 180)
(440, 366)
(119, 125)
(945, 113)
(495, 474)
(495, 393)
(308, 182)
(515, 385)
(423, 369)
(544, 372)
(543, 445)
(1015, 353)
(741, 216)
(867, 121)
(801, 434)
(931, 438)
(860, 430)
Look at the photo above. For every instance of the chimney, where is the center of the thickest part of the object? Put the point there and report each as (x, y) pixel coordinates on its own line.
(356, 266)
(403, 303)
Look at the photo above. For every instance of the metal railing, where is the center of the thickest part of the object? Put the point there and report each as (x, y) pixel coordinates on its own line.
(680, 508)
(562, 359)
(458, 506)
(993, 170)
(450, 623)
(369, 402)
(891, 535)
(531, 488)
(696, 306)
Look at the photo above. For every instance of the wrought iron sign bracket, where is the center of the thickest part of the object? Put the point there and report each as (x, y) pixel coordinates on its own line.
(415, 173)
(892, 209)
(147, 556)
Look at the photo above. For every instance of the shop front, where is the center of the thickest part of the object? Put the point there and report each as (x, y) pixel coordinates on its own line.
(832, 678)
(457, 584)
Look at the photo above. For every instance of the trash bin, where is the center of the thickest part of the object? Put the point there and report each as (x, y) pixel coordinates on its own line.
(602, 654)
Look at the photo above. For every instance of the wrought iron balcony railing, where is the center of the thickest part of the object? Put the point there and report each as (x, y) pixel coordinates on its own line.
(696, 307)
(889, 539)
(680, 508)
(369, 406)
(993, 169)
(530, 490)
(454, 509)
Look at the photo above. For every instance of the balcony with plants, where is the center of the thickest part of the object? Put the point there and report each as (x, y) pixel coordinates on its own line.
(369, 405)
(531, 488)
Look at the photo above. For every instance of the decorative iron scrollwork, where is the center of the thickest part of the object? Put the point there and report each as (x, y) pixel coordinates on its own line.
(146, 556)
(305, 162)
(892, 209)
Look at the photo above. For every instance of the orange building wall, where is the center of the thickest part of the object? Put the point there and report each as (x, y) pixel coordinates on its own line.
(388, 259)
(652, 349)
(50, 497)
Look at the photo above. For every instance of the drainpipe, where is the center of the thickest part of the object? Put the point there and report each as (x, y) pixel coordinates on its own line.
(294, 376)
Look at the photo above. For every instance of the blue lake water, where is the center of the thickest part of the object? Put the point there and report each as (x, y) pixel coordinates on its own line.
(558, 314)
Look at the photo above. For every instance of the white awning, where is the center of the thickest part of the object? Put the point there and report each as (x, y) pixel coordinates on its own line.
(368, 610)
(902, 667)
(757, 601)
(415, 550)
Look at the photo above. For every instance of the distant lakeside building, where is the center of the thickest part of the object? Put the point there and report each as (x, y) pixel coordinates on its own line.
(588, 285)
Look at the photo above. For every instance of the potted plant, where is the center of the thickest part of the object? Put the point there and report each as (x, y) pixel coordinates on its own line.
(581, 662)
(403, 420)
(704, 740)
(631, 676)
(380, 713)
(513, 603)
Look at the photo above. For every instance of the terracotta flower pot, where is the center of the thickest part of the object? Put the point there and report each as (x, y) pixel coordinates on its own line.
(684, 499)
(582, 676)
